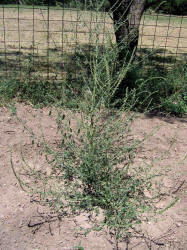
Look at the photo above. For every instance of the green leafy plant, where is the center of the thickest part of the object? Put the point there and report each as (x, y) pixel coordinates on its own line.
(92, 169)
(79, 247)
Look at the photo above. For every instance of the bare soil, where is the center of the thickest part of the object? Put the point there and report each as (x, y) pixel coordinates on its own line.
(24, 224)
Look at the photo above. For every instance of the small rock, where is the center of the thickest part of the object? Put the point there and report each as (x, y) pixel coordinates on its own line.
(2, 216)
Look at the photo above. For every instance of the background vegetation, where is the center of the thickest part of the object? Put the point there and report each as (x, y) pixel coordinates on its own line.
(155, 90)
(178, 7)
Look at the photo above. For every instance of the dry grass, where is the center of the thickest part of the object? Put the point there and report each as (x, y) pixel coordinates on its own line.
(24, 32)
(67, 28)
(163, 31)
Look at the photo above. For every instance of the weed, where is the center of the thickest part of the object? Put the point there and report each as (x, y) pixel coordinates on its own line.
(79, 247)
(92, 169)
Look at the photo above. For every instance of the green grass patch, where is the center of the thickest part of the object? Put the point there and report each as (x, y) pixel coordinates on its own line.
(163, 91)
(36, 91)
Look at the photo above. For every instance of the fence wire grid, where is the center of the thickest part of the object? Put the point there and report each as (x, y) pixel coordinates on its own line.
(42, 39)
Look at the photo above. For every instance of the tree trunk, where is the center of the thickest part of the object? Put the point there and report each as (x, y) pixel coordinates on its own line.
(136, 11)
(127, 16)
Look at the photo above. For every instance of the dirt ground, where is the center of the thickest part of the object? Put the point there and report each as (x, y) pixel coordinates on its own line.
(24, 224)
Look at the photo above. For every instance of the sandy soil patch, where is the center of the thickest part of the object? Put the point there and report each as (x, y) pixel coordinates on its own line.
(19, 213)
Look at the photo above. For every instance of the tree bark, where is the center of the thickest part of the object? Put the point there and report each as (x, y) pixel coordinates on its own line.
(136, 12)
(127, 16)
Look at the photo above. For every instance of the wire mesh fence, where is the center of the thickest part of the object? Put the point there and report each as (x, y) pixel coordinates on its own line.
(41, 40)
